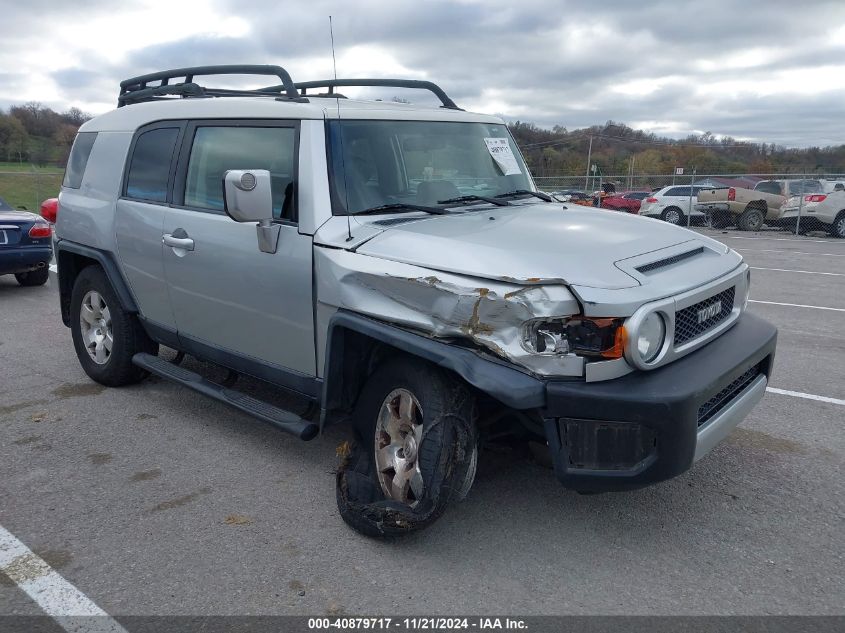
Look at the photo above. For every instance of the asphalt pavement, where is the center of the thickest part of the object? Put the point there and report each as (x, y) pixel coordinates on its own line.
(152, 499)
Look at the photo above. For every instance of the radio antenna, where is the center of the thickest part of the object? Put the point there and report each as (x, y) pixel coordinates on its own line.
(340, 136)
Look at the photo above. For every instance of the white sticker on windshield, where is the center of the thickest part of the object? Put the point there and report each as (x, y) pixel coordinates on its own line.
(502, 153)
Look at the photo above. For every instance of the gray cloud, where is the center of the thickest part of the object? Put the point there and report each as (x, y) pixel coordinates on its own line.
(546, 61)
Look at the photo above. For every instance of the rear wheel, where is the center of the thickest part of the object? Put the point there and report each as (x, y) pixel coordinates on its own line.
(415, 451)
(837, 229)
(751, 219)
(105, 335)
(672, 215)
(34, 277)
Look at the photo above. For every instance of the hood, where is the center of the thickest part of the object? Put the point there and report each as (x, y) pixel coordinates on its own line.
(529, 244)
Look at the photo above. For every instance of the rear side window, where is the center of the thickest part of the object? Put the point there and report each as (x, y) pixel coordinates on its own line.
(149, 170)
(678, 191)
(768, 186)
(218, 149)
(78, 159)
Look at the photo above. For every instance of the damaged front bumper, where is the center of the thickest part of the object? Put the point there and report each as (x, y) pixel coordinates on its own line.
(650, 426)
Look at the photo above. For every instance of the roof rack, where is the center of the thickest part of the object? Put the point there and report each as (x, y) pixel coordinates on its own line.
(136, 89)
(331, 84)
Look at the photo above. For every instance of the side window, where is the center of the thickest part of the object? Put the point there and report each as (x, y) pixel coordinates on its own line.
(78, 159)
(149, 169)
(217, 149)
(675, 191)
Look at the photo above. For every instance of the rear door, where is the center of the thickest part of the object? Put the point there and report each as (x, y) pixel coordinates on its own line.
(139, 217)
(232, 302)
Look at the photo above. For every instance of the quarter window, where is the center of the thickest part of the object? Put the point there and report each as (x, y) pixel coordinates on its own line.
(78, 159)
(149, 170)
(219, 149)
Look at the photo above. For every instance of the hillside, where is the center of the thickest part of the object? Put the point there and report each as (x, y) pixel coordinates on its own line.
(559, 152)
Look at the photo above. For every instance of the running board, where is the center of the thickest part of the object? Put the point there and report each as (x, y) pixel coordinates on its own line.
(258, 409)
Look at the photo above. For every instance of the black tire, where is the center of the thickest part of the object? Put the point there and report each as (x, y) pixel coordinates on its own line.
(34, 277)
(128, 336)
(837, 229)
(751, 219)
(669, 216)
(447, 452)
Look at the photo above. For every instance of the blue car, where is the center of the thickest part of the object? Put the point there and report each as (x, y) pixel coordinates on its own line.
(26, 245)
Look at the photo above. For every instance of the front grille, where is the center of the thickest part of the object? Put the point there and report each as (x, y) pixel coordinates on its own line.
(718, 402)
(689, 325)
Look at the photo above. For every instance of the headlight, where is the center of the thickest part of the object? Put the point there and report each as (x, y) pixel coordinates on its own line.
(650, 337)
(584, 336)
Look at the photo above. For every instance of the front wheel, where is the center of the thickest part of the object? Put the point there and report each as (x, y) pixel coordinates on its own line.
(415, 453)
(105, 335)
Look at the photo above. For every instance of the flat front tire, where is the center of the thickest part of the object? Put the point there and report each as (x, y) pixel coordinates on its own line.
(415, 450)
(105, 335)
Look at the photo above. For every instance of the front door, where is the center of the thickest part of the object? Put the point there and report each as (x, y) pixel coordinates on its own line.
(227, 296)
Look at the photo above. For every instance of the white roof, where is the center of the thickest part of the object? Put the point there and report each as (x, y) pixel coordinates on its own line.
(131, 117)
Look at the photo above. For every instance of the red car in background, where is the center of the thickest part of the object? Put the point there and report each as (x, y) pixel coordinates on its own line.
(628, 201)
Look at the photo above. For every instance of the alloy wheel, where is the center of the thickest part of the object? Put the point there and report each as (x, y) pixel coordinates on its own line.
(96, 327)
(397, 442)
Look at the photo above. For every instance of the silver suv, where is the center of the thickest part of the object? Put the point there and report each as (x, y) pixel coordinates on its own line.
(396, 266)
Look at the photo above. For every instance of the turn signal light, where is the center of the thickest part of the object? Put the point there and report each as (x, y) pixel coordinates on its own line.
(731, 194)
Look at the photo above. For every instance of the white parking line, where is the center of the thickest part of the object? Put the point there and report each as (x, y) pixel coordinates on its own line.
(806, 396)
(59, 599)
(803, 272)
(796, 305)
(774, 250)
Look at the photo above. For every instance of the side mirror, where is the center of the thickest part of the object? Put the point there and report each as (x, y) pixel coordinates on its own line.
(247, 197)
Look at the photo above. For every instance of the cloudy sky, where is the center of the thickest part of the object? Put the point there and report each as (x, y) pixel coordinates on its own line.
(765, 70)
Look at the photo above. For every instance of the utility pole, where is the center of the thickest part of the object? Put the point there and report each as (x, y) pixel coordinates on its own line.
(589, 156)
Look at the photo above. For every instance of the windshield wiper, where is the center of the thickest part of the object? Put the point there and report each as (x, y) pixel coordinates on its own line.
(525, 192)
(399, 207)
(474, 198)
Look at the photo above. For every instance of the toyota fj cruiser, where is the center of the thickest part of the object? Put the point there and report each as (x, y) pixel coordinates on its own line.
(396, 266)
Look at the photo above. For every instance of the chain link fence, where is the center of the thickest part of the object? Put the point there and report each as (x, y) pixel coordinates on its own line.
(23, 188)
(798, 203)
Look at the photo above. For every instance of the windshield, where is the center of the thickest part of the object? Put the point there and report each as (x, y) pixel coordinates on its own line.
(376, 163)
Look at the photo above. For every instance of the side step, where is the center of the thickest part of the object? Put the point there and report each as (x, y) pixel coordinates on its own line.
(264, 411)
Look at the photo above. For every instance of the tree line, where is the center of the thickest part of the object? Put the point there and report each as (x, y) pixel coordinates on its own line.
(34, 133)
(558, 152)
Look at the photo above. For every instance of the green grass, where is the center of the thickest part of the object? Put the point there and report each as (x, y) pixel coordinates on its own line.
(29, 188)
(27, 167)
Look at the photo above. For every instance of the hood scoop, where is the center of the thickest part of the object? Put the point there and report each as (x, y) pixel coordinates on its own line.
(668, 261)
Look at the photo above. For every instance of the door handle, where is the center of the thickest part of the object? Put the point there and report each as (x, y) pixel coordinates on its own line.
(185, 243)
